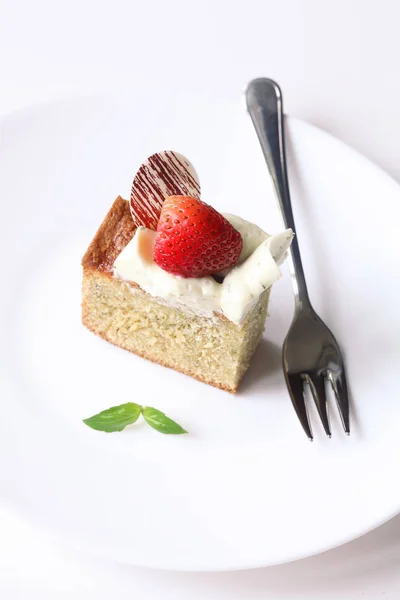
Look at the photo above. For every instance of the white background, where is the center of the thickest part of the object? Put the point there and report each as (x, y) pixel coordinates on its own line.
(337, 62)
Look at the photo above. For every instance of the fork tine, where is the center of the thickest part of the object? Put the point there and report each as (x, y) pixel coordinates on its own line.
(317, 387)
(339, 386)
(295, 387)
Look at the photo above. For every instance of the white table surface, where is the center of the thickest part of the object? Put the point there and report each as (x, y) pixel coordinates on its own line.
(337, 62)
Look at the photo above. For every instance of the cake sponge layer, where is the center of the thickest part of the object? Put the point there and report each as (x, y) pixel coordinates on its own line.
(215, 351)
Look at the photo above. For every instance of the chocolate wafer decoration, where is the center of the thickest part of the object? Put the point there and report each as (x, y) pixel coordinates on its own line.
(163, 174)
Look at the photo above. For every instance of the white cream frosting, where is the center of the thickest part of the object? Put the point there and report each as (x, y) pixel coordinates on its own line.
(257, 270)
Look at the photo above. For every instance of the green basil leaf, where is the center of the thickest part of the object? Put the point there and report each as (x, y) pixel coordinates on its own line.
(115, 418)
(159, 421)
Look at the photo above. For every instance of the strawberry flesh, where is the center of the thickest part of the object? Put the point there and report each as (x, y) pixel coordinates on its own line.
(194, 240)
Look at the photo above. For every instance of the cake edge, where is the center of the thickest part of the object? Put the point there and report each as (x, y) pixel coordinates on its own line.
(115, 232)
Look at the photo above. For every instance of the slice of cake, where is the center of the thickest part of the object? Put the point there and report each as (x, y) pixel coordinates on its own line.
(192, 294)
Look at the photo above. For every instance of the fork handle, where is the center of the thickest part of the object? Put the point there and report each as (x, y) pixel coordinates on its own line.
(264, 104)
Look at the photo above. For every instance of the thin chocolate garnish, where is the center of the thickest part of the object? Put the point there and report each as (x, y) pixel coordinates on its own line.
(163, 174)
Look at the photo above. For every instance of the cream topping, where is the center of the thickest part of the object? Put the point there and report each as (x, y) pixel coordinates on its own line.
(257, 270)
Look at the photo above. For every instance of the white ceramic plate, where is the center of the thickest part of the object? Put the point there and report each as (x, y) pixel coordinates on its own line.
(245, 488)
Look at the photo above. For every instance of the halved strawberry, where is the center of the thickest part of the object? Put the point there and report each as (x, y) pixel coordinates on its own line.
(163, 174)
(194, 240)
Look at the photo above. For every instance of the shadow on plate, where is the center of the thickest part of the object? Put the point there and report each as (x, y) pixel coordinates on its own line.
(265, 369)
